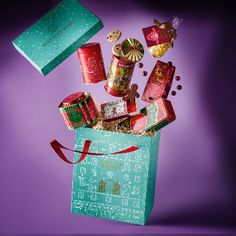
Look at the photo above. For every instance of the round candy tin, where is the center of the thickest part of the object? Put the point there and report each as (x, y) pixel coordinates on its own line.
(79, 110)
(119, 77)
(91, 63)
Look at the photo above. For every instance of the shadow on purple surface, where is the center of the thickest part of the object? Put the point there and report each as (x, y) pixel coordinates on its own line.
(196, 216)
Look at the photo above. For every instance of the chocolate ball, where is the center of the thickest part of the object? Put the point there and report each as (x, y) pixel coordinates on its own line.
(177, 78)
(179, 87)
(145, 73)
(140, 65)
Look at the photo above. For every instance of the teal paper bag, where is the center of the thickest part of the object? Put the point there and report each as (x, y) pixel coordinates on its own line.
(118, 187)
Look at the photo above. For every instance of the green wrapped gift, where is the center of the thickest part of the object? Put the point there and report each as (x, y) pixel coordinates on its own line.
(57, 35)
(118, 186)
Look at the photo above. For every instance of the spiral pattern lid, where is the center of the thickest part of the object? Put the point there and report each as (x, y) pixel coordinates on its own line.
(132, 49)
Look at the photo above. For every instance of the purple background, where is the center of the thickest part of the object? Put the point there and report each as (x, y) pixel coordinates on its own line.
(195, 189)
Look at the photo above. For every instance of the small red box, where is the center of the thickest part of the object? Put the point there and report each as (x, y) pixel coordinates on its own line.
(155, 35)
(154, 116)
(114, 109)
(159, 82)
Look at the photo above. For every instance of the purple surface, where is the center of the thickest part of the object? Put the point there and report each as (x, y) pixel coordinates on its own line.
(194, 187)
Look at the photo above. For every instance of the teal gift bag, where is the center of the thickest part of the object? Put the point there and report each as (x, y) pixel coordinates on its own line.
(118, 186)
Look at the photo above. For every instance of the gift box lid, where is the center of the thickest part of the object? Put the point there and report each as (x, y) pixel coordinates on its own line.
(57, 35)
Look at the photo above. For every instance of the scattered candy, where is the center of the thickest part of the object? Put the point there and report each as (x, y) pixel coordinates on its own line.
(91, 63)
(140, 65)
(177, 78)
(114, 36)
(132, 50)
(179, 87)
(159, 82)
(173, 93)
(144, 73)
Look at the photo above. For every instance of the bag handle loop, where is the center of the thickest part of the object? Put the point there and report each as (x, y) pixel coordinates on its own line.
(57, 147)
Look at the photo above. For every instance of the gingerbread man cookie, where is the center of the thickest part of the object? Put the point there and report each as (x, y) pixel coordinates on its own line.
(131, 94)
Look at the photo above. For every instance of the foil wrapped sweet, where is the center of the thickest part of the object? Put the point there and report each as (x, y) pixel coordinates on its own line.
(160, 36)
(159, 50)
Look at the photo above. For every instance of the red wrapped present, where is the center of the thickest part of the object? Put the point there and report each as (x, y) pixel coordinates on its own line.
(152, 117)
(159, 82)
(155, 35)
(117, 109)
(114, 109)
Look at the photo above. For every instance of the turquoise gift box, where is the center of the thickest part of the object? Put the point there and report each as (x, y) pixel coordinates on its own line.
(118, 187)
(57, 35)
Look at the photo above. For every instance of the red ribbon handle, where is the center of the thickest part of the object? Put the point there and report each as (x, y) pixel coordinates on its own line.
(57, 148)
